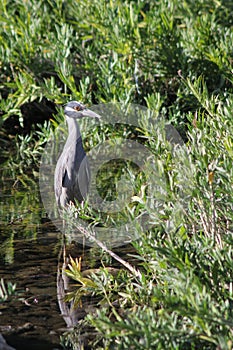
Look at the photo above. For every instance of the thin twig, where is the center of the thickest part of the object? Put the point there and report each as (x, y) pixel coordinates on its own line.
(216, 236)
(91, 236)
(203, 217)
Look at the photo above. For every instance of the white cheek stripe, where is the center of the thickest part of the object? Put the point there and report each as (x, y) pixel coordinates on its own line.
(69, 109)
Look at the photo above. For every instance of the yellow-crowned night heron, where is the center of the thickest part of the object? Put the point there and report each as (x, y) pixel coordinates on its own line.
(72, 173)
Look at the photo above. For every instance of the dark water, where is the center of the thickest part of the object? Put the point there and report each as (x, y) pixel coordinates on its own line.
(29, 256)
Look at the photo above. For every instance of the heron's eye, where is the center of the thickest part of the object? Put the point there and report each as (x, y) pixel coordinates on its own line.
(78, 108)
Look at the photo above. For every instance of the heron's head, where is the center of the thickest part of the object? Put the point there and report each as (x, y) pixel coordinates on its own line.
(74, 109)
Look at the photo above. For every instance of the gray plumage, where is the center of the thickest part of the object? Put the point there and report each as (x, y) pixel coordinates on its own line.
(72, 173)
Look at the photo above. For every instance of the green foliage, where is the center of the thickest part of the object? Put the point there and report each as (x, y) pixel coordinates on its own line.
(85, 285)
(28, 150)
(183, 299)
(110, 51)
(6, 290)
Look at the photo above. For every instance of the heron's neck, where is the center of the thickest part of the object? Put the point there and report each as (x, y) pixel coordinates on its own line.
(73, 128)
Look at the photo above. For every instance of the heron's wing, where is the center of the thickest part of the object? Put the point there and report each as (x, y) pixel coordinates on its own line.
(72, 175)
(61, 176)
(83, 179)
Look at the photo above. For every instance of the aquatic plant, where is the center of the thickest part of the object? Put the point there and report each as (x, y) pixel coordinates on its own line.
(6, 290)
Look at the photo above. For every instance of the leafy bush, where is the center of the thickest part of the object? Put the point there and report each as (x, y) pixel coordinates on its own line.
(99, 51)
(183, 297)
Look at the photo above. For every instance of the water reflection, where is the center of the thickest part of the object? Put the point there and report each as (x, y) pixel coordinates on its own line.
(70, 314)
(29, 248)
(21, 213)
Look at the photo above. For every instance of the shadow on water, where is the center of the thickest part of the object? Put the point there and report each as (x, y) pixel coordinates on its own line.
(32, 256)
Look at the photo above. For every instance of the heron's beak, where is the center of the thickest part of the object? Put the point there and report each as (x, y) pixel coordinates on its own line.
(89, 113)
